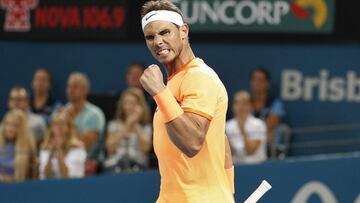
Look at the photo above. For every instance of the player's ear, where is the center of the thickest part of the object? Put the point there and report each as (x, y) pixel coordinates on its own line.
(184, 31)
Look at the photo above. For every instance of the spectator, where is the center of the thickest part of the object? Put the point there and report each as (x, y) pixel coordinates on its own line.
(88, 119)
(247, 134)
(17, 148)
(266, 107)
(41, 101)
(129, 134)
(19, 99)
(62, 153)
(133, 74)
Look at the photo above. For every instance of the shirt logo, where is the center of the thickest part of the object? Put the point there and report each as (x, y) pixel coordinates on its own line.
(147, 18)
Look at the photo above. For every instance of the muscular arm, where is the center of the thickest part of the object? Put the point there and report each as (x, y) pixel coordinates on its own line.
(188, 132)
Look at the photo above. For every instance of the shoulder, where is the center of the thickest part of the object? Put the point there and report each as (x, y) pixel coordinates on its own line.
(78, 153)
(114, 124)
(35, 119)
(201, 71)
(93, 109)
(231, 124)
(202, 76)
(277, 107)
(256, 123)
(147, 127)
(76, 143)
(78, 148)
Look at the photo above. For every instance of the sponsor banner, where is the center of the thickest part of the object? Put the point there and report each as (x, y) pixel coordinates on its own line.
(323, 180)
(258, 16)
(55, 19)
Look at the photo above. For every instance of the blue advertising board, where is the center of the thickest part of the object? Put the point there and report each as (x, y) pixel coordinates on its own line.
(334, 180)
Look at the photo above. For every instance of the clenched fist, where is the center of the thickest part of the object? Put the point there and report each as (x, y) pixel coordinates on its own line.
(152, 80)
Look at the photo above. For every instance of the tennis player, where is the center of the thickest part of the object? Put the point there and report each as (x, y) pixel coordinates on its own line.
(189, 123)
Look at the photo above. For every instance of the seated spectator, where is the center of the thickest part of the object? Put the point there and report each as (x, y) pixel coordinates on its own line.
(266, 107)
(17, 148)
(41, 101)
(133, 74)
(19, 99)
(129, 134)
(88, 119)
(246, 134)
(62, 153)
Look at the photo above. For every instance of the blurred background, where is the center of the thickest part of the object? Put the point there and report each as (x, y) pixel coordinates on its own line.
(72, 107)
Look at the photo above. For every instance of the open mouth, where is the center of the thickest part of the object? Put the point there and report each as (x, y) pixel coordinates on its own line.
(162, 52)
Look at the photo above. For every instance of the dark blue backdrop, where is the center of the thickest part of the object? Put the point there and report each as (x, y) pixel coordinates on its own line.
(105, 64)
(336, 178)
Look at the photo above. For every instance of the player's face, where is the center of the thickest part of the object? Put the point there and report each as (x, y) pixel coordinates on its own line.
(164, 40)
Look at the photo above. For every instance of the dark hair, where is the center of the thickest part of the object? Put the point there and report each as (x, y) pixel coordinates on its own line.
(132, 65)
(159, 5)
(263, 71)
(46, 71)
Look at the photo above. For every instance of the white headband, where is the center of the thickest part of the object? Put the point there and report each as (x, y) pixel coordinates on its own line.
(164, 15)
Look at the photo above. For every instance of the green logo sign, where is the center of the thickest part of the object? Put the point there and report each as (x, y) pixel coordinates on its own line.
(298, 16)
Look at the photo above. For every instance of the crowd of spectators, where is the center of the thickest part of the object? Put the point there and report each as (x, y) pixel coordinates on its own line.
(42, 138)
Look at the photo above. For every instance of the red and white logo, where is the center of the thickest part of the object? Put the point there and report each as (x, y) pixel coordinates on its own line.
(17, 17)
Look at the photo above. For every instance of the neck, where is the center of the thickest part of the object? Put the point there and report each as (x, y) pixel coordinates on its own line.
(78, 106)
(11, 141)
(260, 95)
(242, 116)
(184, 57)
(40, 94)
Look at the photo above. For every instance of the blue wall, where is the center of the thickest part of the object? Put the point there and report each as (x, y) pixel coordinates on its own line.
(339, 178)
(105, 64)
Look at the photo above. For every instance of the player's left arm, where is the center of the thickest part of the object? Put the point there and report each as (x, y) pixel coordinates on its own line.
(228, 156)
(229, 166)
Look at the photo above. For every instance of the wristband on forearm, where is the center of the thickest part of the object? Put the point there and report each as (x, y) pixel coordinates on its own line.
(168, 105)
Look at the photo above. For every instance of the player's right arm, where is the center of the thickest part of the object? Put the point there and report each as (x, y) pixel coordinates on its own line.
(187, 124)
(187, 132)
